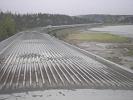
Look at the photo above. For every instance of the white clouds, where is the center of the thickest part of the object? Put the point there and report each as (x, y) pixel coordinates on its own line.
(71, 7)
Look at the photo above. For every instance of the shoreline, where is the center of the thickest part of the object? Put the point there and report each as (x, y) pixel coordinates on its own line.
(116, 52)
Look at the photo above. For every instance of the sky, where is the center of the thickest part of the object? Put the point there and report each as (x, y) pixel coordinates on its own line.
(69, 7)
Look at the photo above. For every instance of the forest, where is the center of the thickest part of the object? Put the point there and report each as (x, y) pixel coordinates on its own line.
(12, 23)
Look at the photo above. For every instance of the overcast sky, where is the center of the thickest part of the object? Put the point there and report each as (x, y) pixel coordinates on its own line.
(70, 7)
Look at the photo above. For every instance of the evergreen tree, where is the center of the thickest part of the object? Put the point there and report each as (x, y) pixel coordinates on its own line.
(7, 27)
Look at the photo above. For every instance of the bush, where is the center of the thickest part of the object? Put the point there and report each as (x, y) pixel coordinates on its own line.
(7, 27)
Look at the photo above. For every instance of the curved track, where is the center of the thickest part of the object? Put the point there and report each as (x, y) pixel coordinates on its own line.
(38, 61)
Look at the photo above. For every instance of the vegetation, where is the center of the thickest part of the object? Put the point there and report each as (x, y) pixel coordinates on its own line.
(7, 27)
(130, 52)
(25, 21)
(11, 23)
(111, 19)
(77, 35)
(97, 37)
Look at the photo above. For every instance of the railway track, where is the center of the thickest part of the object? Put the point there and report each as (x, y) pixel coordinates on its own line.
(38, 61)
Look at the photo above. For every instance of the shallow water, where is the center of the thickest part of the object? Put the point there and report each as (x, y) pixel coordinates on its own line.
(125, 30)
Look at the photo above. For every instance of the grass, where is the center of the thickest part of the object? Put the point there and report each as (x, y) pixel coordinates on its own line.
(96, 37)
(130, 53)
(78, 35)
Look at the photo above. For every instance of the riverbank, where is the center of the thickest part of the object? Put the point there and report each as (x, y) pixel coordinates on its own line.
(116, 48)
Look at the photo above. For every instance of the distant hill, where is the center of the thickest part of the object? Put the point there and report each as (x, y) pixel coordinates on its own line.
(127, 19)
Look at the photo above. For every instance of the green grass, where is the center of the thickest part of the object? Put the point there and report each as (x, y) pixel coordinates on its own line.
(97, 37)
(130, 52)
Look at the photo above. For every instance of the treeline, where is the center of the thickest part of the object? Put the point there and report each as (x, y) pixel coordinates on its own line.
(111, 19)
(36, 20)
(11, 23)
(7, 27)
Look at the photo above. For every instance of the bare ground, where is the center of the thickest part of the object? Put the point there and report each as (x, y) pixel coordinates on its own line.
(113, 51)
(116, 52)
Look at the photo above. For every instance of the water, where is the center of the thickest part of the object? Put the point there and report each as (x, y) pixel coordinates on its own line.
(125, 30)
